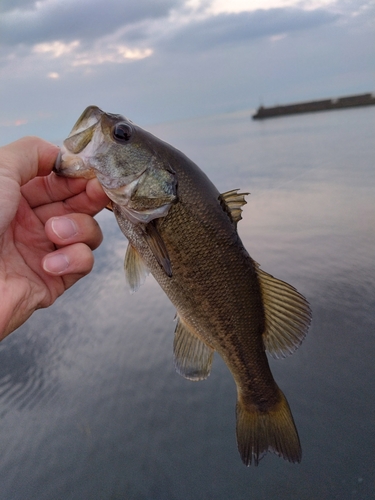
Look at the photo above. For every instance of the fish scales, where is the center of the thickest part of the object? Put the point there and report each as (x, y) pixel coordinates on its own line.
(208, 285)
(184, 231)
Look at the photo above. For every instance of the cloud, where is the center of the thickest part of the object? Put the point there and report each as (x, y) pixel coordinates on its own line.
(176, 22)
(56, 49)
(187, 31)
(219, 6)
(111, 54)
(70, 20)
(9, 5)
(73, 54)
(158, 60)
(237, 27)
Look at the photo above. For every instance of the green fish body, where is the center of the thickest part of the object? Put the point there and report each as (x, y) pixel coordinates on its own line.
(183, 231)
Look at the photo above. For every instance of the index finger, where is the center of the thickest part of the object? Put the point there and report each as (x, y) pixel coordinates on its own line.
(90, 201)
(24, 159)
(51, 188)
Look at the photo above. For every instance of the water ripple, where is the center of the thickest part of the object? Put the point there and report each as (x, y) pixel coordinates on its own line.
(25, 374)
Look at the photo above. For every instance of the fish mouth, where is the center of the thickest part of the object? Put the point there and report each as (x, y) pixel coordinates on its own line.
(83, 130)
(72, 165)
(72, 158)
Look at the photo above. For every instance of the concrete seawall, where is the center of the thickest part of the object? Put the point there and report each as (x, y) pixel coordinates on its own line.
(313, 106)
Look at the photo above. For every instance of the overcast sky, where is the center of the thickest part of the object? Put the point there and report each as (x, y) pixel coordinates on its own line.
(163, 60)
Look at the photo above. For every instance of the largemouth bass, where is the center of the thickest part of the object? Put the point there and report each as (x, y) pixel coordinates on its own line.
(182, 230)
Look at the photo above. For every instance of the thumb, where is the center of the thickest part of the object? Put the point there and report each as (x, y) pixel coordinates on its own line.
(24, 159)
(21, 161)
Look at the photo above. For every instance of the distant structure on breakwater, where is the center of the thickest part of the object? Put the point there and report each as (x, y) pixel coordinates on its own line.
(312, 106)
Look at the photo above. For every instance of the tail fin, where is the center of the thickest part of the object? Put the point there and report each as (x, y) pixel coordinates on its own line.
(260, 432)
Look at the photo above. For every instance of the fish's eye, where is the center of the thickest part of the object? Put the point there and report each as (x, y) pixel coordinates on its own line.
(122, 132)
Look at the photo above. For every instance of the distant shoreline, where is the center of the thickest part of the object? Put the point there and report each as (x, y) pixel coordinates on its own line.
(313, 106)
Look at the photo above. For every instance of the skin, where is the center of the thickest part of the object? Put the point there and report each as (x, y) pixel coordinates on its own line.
(47, 230)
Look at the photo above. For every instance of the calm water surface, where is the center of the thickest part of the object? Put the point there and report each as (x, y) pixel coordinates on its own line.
(90, 405)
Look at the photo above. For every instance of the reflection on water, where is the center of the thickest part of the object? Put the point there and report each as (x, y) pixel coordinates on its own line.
(90, 404)
(21, 376)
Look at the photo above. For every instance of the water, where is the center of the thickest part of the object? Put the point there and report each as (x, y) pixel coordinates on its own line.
(90, 405)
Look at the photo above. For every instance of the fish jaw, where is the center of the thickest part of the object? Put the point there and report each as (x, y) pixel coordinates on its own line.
(90, 117)
(76, 157)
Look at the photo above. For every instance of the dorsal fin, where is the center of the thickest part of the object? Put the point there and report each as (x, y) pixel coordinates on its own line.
(232, 201)
(192, 357)
(287, 315)
(135, 269)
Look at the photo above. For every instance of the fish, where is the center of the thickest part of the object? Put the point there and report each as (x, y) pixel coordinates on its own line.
(182, 230)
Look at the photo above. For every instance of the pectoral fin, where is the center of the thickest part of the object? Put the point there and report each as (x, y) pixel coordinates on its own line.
(232, 201)
(287, 315)
(158, 248)
(135, 269)
(192, 357)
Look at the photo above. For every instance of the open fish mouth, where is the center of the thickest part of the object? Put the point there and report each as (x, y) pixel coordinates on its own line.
(83, 130)
(84, 139)
(72, 165)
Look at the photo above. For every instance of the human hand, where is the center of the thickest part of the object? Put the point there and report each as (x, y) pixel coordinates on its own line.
(47, 232)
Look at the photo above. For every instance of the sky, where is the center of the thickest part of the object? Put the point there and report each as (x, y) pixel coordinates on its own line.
(158, 61)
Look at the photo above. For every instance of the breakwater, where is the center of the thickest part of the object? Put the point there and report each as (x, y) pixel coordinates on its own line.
(313, 106)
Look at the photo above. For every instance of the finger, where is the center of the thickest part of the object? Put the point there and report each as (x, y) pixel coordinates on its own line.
(24, 159)
(71, 262)
(51, 188)
(90, 201)
(74, 228)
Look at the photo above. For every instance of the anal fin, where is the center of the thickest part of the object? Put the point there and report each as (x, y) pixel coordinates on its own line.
(192, 357)
(287, 315)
